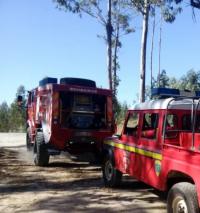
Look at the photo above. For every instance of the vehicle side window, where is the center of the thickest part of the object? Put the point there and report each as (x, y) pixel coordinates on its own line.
(171, 126)
(150, 125)
(132, 124)
(197, 126)
(186, 122)
(172, 121)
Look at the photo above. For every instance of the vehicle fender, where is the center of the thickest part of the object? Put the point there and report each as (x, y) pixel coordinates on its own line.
(46, 131)
(174, 177)
(31, 130)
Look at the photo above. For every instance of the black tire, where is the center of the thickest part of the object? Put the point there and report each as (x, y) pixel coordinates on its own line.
(29, 145)
(41, 156)
(182, 198)
(111, 176)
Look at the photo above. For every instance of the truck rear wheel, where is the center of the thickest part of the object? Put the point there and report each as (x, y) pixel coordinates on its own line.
(111, 176)
(41, 156)
(182, 198)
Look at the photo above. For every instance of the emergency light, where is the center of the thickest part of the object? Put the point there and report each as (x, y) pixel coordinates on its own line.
(48, 80)
(170, 92)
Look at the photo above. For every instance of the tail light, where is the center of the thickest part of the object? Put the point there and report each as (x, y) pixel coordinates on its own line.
(109, 111)
(55, 107)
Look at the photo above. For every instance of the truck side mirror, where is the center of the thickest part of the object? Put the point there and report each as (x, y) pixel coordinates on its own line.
(19, 100)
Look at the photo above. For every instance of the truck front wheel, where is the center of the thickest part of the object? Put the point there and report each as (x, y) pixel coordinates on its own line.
(182, 198)
(111, 176)
(41, 156)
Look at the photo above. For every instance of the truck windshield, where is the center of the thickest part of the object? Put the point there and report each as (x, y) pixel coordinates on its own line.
(82, 111)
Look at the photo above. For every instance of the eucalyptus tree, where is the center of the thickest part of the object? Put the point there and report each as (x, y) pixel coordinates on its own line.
(17, 116)
(146, 7)
(115, 21)
(195, 3)
(121, 19)
(189, 81)
(162, 80)
(4, 117)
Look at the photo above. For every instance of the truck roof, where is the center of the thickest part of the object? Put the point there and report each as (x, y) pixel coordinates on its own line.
(75, 88)
(168, 103)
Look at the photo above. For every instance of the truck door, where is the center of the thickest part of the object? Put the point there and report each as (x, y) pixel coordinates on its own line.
(129, 139)
(148, 154)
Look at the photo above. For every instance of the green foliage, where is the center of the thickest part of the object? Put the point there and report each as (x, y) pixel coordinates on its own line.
(190, 81)
(121, 112)
(17, 118)
(195, 3)
(162, 80)
(4, 117)
(13, 118)
(70, 5)
(169, 8)
(173, 82)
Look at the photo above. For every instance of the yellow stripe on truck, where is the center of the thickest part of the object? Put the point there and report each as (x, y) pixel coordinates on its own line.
(154, 155)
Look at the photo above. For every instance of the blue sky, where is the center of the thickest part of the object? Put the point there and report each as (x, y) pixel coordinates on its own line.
(37, 40)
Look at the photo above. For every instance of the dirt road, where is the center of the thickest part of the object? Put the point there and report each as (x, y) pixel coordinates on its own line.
(64, 186)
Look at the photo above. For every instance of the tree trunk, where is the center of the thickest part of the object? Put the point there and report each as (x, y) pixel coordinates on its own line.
(143, 51)
(115, 63)
(109, 30)
(152, 48)
(159, 50)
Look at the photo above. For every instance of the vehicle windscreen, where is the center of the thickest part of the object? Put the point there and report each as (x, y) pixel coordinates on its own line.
(82, 111)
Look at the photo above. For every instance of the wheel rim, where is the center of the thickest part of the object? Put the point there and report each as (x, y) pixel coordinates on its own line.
(179, 205)
(108, 170)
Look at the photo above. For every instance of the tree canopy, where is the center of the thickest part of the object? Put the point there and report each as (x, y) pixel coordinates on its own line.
(13, 118)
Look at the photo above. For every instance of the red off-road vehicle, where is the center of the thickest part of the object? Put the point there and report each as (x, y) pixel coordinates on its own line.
(73, 115)
(160, 145)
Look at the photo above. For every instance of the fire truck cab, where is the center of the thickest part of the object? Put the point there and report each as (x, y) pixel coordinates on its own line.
(73, 115)
(160, 146)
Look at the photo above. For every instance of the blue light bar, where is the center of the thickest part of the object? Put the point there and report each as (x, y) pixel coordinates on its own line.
(47, 80)
(165, 92)
(169, 92)
(197, 94)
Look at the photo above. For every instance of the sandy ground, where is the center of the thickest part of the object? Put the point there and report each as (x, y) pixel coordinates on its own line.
(64, 186)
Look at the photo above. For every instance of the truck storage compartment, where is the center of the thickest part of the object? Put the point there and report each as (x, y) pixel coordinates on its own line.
(82, 111)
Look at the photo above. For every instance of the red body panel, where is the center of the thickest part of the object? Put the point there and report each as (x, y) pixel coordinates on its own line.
(156, 160)
(44, 112)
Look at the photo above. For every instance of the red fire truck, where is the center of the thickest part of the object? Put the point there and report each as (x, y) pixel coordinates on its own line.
(160, 145)
(73, 115)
